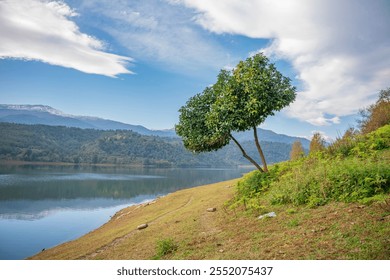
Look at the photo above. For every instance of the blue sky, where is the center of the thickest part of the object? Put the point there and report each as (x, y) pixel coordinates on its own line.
(139, 61)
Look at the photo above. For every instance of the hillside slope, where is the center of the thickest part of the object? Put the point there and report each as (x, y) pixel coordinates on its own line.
(42, 143)
(333, 204)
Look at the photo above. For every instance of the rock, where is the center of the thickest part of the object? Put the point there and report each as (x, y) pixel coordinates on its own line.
(213, 209)
(143, 226)
(268, 215)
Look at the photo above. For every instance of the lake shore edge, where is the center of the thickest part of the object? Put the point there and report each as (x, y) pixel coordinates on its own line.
(185, 220)
(142, 214)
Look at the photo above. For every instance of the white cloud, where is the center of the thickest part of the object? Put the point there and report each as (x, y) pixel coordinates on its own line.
(340, 49)
(161, 32)
(43, 30)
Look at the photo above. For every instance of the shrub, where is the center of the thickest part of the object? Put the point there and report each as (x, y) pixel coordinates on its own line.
(251, 188)
(165, 247)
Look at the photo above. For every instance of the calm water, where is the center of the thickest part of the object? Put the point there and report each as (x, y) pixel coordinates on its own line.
(42, 206)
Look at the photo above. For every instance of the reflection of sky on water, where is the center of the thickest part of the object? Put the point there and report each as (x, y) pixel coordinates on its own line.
(22, 238)
(33, 210)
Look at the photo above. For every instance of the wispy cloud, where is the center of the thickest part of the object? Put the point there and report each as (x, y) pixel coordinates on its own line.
(340, 49)
(158, 31)
(44, 30)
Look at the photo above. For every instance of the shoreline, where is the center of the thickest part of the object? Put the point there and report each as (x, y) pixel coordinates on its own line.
(140, 207)
(46, 163)
(183, 217)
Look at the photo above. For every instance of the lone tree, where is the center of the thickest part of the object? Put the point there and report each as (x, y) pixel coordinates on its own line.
(297, 151)
(317, 143)
(240, 100)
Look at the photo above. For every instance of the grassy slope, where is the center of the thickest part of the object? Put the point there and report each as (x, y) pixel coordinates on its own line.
(333, 231)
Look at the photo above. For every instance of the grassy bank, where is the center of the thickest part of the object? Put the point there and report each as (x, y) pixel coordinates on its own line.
(180, 227)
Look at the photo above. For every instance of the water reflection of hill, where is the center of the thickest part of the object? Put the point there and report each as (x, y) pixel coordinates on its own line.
(31, 193)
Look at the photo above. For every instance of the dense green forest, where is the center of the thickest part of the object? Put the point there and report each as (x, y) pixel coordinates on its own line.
(42, 143)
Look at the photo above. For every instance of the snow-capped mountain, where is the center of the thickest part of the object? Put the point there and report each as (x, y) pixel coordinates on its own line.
(37, 108)
(42, 114)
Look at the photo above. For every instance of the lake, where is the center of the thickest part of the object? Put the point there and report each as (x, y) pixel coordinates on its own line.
(43, 206)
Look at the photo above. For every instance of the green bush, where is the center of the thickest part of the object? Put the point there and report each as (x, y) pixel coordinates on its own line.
(165, 247)
(251, 188)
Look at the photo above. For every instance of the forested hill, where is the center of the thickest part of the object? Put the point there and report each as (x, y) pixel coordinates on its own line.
(46, 115)
(42, 143)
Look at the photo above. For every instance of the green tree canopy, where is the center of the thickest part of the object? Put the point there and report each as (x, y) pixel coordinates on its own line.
(197, 136)
(240, 100)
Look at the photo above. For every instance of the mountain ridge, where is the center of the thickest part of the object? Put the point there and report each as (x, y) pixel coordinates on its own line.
(47, 115)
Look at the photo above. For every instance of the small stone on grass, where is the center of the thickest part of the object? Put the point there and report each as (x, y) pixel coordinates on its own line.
(143, 226)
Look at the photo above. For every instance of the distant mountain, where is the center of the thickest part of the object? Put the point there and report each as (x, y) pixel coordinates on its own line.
(46, 115)
(45, 143)
(270, 136)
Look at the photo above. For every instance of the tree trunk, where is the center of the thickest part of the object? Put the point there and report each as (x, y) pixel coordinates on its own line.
(259, 149)
(245, 154)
